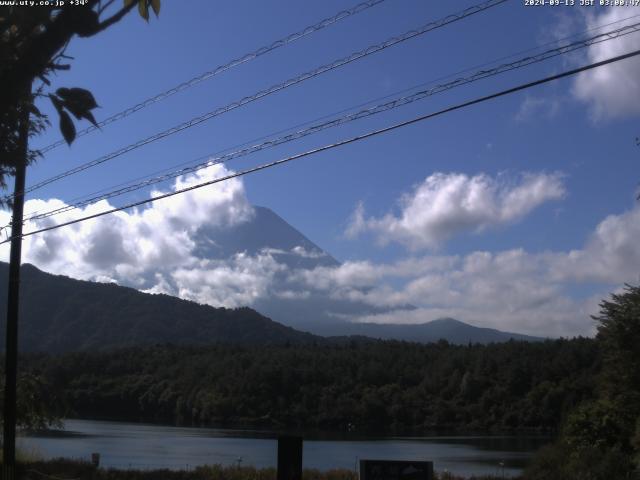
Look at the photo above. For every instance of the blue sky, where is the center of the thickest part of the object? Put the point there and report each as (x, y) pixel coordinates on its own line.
(533, 192)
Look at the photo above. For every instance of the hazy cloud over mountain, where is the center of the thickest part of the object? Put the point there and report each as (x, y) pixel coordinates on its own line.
(158, 249)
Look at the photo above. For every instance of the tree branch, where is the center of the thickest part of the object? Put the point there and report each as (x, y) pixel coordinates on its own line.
(41, 49)
(102, 8)
(115, 18)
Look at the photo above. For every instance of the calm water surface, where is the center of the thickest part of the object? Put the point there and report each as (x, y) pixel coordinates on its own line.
(127, 445)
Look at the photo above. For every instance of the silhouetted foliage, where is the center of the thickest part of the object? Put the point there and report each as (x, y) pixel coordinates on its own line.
(38, 406)
(33, 40)
(601, 437)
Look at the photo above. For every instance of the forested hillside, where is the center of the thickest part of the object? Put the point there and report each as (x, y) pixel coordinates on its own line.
(61, 314)
(600, 439)
(372, 385)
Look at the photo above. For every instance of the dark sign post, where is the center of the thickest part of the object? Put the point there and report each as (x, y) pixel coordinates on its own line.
(289, 458)
(395, 470)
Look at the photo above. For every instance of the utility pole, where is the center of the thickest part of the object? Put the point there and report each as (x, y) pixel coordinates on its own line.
(11, 350)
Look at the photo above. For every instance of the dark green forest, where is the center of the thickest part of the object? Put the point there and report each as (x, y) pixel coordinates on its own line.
(382, 385)
(600, 439)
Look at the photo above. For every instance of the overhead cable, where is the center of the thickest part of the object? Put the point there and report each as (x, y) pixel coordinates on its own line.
(263, 93)
(390, 105)
(340, 143)
(222, 68)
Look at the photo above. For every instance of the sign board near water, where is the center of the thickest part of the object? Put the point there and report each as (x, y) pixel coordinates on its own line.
(395, 470)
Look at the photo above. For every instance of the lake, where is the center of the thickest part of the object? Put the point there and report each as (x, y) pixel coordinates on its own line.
(143, 446)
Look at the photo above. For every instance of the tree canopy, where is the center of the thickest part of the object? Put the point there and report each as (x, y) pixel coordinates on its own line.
(33, 41)
(601, 437)
(359, 385)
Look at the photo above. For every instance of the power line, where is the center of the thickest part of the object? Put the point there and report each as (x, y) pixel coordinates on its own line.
(361, 7)
(340, 143)
(273, 89)
(108, 190)
(390, 105)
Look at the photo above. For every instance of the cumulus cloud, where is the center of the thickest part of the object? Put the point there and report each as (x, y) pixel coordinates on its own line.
(154, 249)
(513, 290)
(446, 204)
(611, 254)
(234, 282)
(610, 90)
(128, 247)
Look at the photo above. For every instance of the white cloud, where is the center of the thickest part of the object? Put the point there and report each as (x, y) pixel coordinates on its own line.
(444, 205)
(128, 247)
(348, 275)
(513, 290)
(302, 252)
(235, 282)
(154, 249)
(611, 254)
(611, 90)
(566, 25)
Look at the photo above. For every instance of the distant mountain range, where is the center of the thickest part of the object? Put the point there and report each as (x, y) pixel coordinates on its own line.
(62, 314)
(450, 329)
(320, 313)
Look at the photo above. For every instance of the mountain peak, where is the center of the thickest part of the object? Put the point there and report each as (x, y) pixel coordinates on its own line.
(62, 313)
(267, 232)
(448, 321)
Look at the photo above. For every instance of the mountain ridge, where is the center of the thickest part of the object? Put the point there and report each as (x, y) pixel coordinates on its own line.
(450, 329)
(318, 313)
(59, 313)
(103, 315)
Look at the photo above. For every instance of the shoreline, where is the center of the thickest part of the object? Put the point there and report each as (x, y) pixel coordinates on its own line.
(271, 431)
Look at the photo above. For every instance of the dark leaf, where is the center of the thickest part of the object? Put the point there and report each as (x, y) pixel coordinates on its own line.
(155, 4)
(63, 92)
(128, 2)
(87, 23)
(57, 103)
(79, 102)
(79, 112)
(89, 116)
(143, 9)
(67, 127)
(79, 96)
(75, 110)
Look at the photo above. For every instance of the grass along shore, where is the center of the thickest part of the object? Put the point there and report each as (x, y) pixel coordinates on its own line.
(61, 469)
